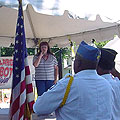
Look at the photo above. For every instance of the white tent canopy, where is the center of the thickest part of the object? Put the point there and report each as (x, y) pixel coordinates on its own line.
(115, 45)
(54, 29)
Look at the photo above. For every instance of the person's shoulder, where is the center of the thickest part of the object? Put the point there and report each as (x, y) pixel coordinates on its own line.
(52, 55)
(116, 79)
(67, 75)
(101, 77)
(103, 81)
(106, 82)
(65, 79)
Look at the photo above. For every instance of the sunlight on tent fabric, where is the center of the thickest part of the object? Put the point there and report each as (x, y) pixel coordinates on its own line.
(54, 29)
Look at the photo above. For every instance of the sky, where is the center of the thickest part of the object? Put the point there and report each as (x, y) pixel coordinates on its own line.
(109, 9)
(105, 8)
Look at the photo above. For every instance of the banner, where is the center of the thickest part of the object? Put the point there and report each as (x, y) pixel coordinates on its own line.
(6, 69)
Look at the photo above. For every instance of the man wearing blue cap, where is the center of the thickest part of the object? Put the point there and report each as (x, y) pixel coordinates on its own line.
(86, 96)
(105, 68)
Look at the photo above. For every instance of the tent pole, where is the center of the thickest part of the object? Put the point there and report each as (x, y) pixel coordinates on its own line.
(72, 59)
(31, 24)
(72, 53)
(60, 64)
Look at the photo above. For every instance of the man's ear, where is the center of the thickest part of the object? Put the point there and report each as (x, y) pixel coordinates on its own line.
(99, 70)
(79, 65)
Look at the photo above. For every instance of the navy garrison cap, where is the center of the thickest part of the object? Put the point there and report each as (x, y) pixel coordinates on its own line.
(107, 58)
(88, 52)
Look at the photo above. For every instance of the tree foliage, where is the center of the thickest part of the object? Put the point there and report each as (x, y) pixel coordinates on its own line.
(101, 44)
(8, 51)
(66, 52)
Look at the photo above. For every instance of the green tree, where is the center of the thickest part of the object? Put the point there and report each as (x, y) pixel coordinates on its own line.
(8, 51)
(31, 51)
(101, 44)
(65, 52)
(5, 51)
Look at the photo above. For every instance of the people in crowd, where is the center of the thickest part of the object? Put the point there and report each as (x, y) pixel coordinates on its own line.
(87, 97)
(46, 68)
(106, 68)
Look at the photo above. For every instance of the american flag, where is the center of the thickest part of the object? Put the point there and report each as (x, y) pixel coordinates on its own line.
(22, 98)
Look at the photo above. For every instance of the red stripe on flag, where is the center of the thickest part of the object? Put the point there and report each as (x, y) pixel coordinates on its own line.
(30, 104)
(15, 105)
(27, 70)
(22, 109)
(23, 86)
(29, 88)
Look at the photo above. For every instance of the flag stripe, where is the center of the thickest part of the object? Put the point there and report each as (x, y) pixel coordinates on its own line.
(15, 103)
(23, 97)
(23, 86)
(28, 81)
(16, 115)
(27, 70)
(16, 92)
(22, 109)
(31, 105)
(23, 75)
(29, 90)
